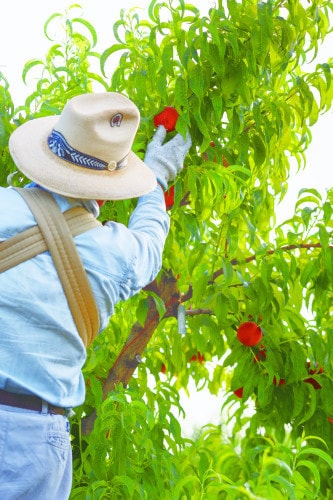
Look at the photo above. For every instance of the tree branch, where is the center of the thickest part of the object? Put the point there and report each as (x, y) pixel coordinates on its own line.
(235, 262)
(130, 355)
(196, 312)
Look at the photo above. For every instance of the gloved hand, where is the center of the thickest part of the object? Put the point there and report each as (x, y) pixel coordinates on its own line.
(166, 160)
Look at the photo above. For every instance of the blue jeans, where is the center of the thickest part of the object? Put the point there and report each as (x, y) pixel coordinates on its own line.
(35, 455)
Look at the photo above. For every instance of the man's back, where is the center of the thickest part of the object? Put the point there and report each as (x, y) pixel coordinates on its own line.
(41, 351)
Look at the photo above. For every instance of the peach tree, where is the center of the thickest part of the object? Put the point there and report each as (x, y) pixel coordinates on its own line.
(242, 306)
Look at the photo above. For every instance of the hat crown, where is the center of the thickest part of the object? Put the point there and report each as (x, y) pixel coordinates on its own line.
(100, 125)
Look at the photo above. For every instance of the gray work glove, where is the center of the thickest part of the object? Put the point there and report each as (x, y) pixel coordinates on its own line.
(166, 160)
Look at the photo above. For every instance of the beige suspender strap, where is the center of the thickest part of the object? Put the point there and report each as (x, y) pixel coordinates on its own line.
(29, 243)
(66, 259)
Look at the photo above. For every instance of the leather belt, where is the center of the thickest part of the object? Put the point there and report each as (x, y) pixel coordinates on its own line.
(28, 402)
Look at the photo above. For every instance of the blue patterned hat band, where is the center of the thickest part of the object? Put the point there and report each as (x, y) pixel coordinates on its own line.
(60, 147)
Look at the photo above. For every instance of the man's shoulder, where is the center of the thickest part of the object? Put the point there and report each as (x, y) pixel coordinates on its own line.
(15, 215)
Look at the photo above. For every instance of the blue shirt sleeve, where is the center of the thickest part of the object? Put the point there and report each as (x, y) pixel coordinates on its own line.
(142, 242)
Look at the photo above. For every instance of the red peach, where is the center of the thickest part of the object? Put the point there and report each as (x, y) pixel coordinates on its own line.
(281, 381)
(225, 162)
(201, 358)
(169, 197)
(168, 118)
(314, 370)
(260, 356)
(313, 382)
(249, 333)
(239, 392)
(198, 357)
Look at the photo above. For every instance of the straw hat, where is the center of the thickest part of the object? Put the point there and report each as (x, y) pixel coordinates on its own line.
(86, 151)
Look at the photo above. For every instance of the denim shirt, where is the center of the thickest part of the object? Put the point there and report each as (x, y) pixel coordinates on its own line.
(41, 351)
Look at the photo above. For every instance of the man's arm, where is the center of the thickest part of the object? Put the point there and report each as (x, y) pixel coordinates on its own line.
(149, 223)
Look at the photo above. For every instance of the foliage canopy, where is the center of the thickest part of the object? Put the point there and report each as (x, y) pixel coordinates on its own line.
(237, 79)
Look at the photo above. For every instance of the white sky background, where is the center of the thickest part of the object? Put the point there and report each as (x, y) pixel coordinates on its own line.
(22, 38)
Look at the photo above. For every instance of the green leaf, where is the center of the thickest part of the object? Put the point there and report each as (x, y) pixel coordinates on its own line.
(228, 271)
(178, 488)
(311, 406)
(196, 257)
(89, 27)
(126, 481)
(265, 392)
(221, 308)
(310, 270)
(48, 22)
(108, 52)
(141, 311)
(324, 236)
(180, 92)
(313, 468)
(328, 210)
(97, 78)
(307, 199)
(29, 65)
(196, 81)
(161, 84)
(116, 30)
(298, 401)
(298, 359)
(318, 453)
(199, 287)
(167, 58)
(160, 306)
(287, 486)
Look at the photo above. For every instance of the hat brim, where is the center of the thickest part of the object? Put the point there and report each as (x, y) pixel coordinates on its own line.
(31, 154)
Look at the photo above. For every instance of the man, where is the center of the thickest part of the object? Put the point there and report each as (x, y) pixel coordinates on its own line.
(81, 156)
